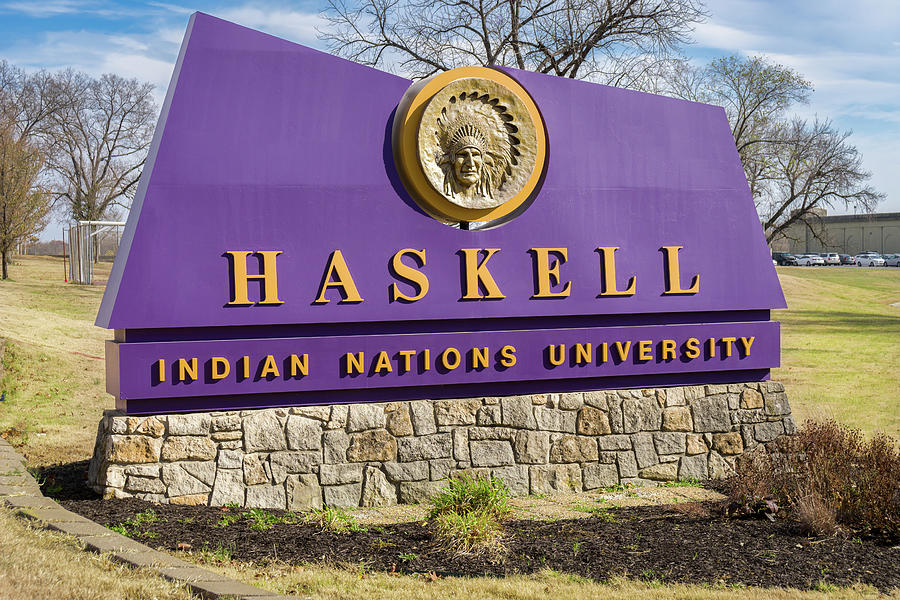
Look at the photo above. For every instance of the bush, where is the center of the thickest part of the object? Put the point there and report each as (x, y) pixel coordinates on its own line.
(827, 476)
(468, 513)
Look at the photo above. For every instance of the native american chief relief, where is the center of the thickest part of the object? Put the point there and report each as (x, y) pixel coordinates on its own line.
(476, 143)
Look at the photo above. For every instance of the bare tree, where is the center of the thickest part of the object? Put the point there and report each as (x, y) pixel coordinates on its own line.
(603, 40)
(813, 167)
(100, 139)
(24, 205)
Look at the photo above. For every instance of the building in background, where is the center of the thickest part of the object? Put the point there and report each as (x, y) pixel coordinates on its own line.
(846, 234)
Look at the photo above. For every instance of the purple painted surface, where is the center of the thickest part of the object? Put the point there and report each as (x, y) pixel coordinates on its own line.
(268, 145)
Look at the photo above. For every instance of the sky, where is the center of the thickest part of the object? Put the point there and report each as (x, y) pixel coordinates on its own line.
(850, 51)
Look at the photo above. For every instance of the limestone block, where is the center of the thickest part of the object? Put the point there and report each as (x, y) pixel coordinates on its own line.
(675, 396)
(532, 447)
(190, 500)
(661, 472)
(614, 442)
(413, 492)
(766, 432)
(365, 416)
(491, 453)
(195, 424)
(188, 447)
(263, 432)
(399, 422)
(145, 426)
(335, 443)
(599, 476)
(538, 399)
(438, 445)
(340, 474)
(718, 466)
(423, 417)
(303, 433)
(518, 412)
(460, 444)
(554, 419)
(677, 418)
(281, 464)
(607, 457)
(342, 495)
(713, 390)
(227, 436)
(230, 459)
(693, 467)
(644, 450)
(179, 482)
(457, 411)
(225, 423)
(373, 445)
(555, 479)
(573, 449)
(790, 427)
(641, 414)
(748, 415)
(129, 449)
(147, 485)
(773, 386)
(440, 468)
(777, 403)
(408, 471)
(377, 491)
(115, 477)
(319, 413)
(303, 492)
(592, 421)
(711, 414)
(338, 419)
(616, 417)
(491, 433)
(627, 464)
(695, 444)
(515, 478)
(143, 470)
(694, 392)
(728, 443)
(571, 401)
(266, 496)
(254, 474)
(751, 398)
(488, 415)
(669, 443)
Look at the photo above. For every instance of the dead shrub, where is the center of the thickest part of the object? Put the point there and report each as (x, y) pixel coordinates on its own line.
(816, 516)
(824, 467)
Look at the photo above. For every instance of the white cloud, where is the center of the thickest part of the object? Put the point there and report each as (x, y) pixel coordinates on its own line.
(296, 26)
(46, 8)
(724, 37)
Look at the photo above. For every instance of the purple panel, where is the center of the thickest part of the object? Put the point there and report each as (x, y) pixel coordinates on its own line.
(267, 145)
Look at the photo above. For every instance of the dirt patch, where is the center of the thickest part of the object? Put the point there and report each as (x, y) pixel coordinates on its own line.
(686, 542)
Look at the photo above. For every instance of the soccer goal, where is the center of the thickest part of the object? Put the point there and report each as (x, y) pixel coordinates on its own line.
(90, 243)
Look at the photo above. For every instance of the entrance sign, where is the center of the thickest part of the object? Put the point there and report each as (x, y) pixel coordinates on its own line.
(308, 230)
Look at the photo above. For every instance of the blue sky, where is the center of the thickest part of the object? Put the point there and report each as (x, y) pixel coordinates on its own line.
(850, 51)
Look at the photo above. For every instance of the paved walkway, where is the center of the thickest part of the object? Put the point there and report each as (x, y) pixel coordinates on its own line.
(19, 491)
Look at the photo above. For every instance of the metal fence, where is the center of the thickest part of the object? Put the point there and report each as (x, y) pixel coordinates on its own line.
(91, 242)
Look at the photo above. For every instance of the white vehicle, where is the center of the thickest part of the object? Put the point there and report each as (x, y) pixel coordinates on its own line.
(832, 258)
(809, 260)
(891, 260)
(869, 259)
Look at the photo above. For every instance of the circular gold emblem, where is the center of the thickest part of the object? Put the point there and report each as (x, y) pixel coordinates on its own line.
(470, 144)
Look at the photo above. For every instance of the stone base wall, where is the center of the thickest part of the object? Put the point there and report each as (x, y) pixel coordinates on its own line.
(378, 454)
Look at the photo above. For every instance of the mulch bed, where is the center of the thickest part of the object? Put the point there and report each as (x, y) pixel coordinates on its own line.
(688, 543)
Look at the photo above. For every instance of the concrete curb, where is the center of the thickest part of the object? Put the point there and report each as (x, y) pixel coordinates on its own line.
(20, 492)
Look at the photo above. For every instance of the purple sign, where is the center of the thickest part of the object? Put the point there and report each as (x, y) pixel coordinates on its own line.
(272, 220)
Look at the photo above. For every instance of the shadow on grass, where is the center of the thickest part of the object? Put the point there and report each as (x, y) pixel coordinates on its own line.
(842, 321)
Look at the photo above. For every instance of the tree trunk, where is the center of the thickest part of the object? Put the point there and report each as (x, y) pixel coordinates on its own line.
(5, 274)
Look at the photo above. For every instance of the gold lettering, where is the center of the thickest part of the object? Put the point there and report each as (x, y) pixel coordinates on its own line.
(608, 258)
(604, 352)
(584, 354)
(480, 357)
(547, 274)
(219, 368)
(406, 355)
(667, 350)
(728, 341)
(245, 364)
(622, 351)
(478, 276)
(643, 348)
(450, 365)
(507, 356)
(747, 342)
(409, 275)
(556, 354)
(383, 363)
(187, 369)
(299, 364)
(343, 281)
(269, 367)
(711, 347)
(673, 273)
(355, 363)
(267, 275)
(692, 348)
(426, 359)
(161, 370)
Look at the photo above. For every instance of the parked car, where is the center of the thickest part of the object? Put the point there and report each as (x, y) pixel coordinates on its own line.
(831, 258)
(846, 259)
(869, 259)
(783, 258)
(891, 260)
(791, 260)
(810, 260)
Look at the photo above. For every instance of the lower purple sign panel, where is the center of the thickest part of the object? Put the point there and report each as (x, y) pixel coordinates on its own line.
(232, 369)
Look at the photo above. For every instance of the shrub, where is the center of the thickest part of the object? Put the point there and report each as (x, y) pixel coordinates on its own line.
(826, 471)
(468, 513)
